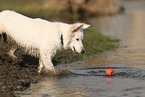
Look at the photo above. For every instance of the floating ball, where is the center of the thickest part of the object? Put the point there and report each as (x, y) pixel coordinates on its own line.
(109, 71)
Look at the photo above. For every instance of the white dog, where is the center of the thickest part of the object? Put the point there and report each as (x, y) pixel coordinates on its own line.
(41, 35)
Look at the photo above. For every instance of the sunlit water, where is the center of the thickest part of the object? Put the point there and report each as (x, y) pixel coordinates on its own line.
(87, 78)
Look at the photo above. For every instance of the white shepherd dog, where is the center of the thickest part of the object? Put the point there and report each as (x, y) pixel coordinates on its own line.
(41, 35)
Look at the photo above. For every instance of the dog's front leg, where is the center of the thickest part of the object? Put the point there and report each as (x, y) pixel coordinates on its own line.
(45, 62)
(40, 66)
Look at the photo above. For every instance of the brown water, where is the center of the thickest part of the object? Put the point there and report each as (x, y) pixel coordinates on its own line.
(128, 62)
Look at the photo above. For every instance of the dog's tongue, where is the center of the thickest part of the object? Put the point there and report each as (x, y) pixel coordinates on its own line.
(74, 50)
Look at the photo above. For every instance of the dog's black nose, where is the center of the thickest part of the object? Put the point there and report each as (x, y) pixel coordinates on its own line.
(83, 51)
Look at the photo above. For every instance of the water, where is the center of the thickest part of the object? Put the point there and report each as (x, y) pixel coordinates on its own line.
(87, 78)
(91, 82)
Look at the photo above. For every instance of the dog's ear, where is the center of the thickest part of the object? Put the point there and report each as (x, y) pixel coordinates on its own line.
(85, 26)
(77, 26)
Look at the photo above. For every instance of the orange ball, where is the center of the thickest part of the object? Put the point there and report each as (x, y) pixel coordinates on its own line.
(109, 71)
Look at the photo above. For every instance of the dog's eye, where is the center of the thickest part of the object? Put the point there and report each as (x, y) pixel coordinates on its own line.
(77, 39)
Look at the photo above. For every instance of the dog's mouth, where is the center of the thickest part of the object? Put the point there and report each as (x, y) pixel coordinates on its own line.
(74, 50)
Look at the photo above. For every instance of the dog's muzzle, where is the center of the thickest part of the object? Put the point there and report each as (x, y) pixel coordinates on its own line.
(83, 51)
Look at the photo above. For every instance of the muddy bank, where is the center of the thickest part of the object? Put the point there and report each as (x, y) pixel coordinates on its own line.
(16, 74)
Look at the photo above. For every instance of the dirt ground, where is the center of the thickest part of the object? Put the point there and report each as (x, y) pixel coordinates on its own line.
(16, 74)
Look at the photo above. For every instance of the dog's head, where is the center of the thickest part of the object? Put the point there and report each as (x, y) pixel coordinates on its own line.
(75, 37)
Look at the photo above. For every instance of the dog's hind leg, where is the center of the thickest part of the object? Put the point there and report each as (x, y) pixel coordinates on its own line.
(11, 53)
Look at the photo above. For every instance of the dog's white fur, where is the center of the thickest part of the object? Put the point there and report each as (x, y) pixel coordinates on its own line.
(42, 35)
